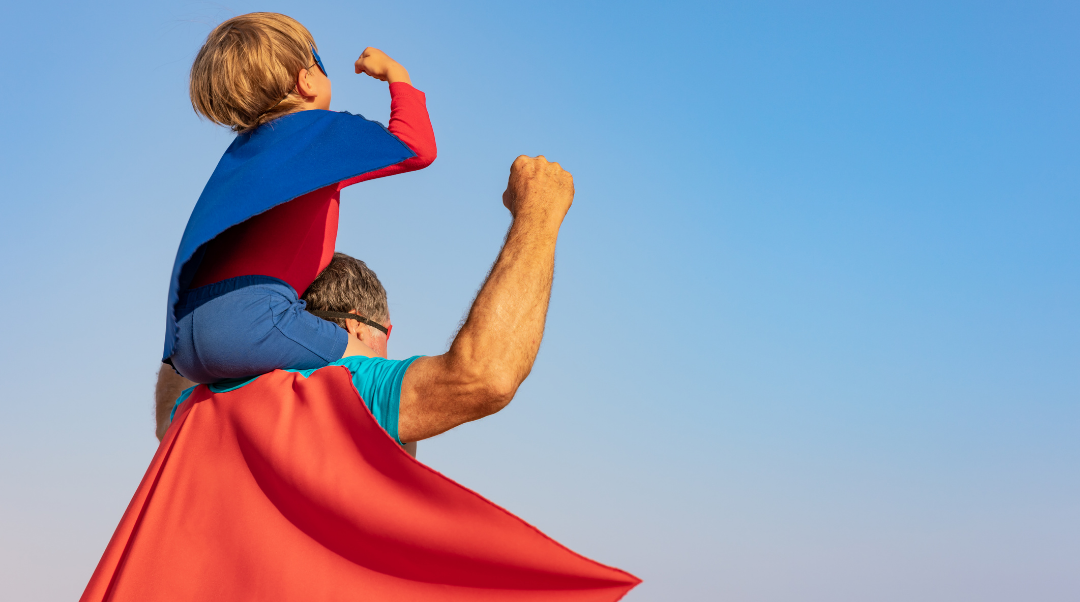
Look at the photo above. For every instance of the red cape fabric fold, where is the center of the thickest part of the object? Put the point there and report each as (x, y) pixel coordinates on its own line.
(288, 489)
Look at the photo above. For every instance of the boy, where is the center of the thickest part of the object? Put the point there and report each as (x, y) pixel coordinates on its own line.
(266, 223)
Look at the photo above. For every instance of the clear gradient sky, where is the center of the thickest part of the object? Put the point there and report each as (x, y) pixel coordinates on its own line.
(814, 333)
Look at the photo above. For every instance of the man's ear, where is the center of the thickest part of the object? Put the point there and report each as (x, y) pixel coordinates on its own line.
(353, 326)
(304, 85)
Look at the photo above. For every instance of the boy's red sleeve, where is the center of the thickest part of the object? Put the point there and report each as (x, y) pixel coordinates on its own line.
(410, 123)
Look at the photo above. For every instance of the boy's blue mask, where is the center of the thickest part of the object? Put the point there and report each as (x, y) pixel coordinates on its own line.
(318, 61)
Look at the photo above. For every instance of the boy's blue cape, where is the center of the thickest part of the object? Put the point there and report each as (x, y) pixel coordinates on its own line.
(279, 161)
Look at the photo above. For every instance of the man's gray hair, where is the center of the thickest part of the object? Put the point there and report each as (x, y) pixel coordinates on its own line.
(345, 285)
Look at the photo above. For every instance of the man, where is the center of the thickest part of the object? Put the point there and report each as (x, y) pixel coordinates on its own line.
(292, 485)
(495, 349)
(347, 293)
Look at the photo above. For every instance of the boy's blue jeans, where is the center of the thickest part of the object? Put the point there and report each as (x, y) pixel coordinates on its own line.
(247, 326)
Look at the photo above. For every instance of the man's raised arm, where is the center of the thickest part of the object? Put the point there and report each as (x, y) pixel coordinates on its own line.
(495, 349)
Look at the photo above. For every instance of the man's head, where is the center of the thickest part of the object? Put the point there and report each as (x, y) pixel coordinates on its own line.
(255, 68)
(347, 285)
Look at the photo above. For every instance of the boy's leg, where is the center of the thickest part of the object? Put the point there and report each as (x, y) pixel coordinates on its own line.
(251, 325)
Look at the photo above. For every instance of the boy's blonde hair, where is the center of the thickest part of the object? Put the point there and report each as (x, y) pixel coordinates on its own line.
(245, 73)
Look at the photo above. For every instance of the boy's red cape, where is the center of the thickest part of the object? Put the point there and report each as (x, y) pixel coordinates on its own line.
(288, 489)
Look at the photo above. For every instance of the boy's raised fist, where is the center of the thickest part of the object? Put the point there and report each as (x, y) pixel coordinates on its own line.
(375, 63)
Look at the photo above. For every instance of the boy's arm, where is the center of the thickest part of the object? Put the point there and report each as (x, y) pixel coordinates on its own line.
(168, 389)
(409, 120)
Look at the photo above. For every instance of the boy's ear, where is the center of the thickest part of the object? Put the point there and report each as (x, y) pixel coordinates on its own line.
(304, 85)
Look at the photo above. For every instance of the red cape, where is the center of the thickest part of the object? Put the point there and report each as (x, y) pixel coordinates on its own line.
(288, 489)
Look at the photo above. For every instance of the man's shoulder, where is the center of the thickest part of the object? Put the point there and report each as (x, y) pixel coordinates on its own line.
(361, 364)
(355, 363)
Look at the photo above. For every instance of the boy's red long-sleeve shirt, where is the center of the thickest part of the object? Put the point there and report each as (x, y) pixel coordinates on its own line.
(295, 240)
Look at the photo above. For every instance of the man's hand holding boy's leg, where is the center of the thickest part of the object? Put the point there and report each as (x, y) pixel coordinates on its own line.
(168, 389)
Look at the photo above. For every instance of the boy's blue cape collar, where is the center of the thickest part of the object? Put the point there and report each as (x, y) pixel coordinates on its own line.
(279, 161)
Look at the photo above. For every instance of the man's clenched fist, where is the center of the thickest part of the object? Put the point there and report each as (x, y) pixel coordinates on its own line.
(538, 188)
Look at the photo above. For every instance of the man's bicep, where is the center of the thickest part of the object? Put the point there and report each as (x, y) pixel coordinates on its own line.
(435, 398)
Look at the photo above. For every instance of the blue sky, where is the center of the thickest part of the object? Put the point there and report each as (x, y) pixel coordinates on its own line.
(814, 331)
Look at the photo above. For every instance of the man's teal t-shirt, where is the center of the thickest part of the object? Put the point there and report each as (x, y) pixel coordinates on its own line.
(377, 380)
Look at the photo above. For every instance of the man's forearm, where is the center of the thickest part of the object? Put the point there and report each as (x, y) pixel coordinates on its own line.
(502, 334)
